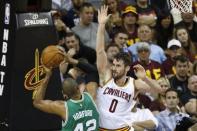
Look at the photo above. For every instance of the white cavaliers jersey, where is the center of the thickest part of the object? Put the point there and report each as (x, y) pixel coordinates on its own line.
(115, 104)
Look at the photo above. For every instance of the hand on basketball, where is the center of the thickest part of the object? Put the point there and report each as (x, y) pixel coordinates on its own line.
(139, 71)
(52, 56)
(102, 15)
(61, 49)
(47, 70)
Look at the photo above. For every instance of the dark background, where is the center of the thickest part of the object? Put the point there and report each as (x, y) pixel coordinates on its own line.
(16, 107)
(5, 98)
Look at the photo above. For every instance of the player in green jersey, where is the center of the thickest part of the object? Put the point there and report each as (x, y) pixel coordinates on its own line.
(79, 112)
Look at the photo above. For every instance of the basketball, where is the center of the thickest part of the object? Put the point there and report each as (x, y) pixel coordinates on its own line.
(52, 56)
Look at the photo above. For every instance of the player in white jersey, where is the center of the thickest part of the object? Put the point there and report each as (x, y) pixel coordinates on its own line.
(115, 97)
(115, 104)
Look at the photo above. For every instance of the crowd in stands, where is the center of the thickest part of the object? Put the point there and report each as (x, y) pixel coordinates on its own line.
(161, 39)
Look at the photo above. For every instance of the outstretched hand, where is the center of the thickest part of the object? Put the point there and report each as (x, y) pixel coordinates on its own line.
(139, 71)
(102, 15)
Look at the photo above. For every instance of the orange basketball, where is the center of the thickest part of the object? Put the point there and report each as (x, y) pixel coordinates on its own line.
(52, 56)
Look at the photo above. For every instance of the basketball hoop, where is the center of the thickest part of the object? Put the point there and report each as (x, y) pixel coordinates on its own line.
(184, 6)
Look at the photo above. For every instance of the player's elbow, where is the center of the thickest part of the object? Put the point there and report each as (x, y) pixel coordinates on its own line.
(36, 103)
(151, 125)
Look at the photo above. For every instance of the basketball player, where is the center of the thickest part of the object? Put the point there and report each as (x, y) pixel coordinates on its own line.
(79, 113)
(115, 97)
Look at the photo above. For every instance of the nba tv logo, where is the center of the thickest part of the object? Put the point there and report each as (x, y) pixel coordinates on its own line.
(7, 14)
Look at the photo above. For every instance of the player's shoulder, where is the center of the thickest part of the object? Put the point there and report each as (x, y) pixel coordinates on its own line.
(105, 82)
(87, 95)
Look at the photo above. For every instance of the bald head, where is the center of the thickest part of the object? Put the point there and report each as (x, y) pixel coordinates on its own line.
(70, 87)
(191, 78)
(192, 83)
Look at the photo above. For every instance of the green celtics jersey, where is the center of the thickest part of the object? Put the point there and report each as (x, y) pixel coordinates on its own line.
(82, 115)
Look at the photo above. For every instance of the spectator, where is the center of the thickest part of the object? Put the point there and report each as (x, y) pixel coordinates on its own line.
(111, 51)
(73, 45)
(180, 80)
(129, 24)
(120, 39)
(146, 13)
(190, 24)
(75, 66)
(194, 70)
(85, 73)
(174, 50)
(115, 18)
(87, 29)
(195, 10)
(160, 5)
(169, 118)
(189, 48)
(153, 69)
(164, 28)
(61, 28)
(189, 99)
(185, 19)
(145, 35)
(72, 17)
(61, 4)
(159, 103)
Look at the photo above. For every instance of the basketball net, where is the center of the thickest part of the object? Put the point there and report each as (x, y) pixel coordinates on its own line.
(184, 6)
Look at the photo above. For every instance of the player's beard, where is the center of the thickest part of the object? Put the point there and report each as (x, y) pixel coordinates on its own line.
(117, 76)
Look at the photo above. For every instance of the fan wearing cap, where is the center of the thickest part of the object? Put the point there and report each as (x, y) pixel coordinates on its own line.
(153, 69)
(129, 24)
(174, 49)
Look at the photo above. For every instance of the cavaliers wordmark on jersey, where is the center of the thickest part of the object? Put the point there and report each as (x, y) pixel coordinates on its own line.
(115, 104)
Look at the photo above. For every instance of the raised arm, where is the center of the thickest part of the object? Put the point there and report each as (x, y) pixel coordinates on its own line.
(145, 84)
(100, 42)
(48, 106)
